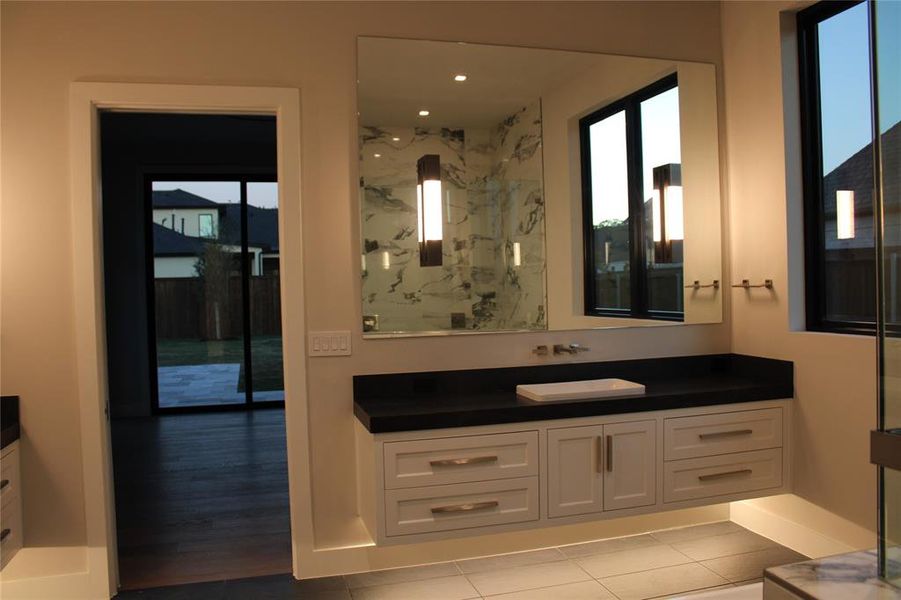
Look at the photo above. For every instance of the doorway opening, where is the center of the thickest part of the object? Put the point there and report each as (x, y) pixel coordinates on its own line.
(194, 336)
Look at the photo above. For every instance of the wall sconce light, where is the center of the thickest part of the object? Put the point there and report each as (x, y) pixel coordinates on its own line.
(386, 260)
(428, 204)
(844, 214)
(517, 254)
(666, 202)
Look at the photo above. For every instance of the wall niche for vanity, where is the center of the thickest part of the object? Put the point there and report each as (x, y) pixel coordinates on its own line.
(478, 162)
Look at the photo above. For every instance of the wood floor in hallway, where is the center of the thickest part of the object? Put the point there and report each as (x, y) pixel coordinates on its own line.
(201, 497)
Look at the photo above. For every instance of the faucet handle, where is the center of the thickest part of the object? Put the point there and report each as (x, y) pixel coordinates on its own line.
(540, 350)
(576, 348)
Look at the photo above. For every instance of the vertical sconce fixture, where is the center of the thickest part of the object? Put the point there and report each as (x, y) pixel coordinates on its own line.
(844, 214)
(517, 254)
(428, 204)
(667, 211)
(386, 260)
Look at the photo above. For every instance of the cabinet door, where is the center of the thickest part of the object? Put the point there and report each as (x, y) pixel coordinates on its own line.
(630, 464)
(575, 470)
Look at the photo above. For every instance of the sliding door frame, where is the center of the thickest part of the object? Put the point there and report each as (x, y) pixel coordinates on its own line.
(186, 174)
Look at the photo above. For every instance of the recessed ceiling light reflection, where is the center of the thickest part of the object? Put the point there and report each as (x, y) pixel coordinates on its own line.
(423, 113)
(460, 77)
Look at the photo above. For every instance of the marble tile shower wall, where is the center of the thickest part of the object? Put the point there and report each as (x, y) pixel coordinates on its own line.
(492, 182)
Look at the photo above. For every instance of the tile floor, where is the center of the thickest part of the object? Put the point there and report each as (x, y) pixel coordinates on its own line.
(662, 564)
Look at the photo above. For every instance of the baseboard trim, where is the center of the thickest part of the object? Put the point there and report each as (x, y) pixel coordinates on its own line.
(801, 525)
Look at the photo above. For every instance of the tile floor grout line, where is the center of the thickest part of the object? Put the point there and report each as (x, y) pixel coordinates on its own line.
(469, 581)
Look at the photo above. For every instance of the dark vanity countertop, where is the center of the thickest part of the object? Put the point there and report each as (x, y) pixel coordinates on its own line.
(413, 401)
(9, 420)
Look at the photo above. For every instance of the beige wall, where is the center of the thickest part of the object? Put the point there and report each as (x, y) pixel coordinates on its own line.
(306, 45)
(835, 375)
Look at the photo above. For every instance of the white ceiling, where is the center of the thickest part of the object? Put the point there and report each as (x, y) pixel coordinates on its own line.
(397, 78)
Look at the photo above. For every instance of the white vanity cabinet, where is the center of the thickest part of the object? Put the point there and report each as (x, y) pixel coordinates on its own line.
(433, 484)
(575, 470)
(630, 464)
(594, 468)
(10, 504)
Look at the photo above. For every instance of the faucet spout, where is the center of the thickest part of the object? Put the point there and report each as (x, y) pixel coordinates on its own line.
(569, 349)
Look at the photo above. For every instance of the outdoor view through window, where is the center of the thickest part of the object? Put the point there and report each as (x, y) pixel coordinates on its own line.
(217, 317)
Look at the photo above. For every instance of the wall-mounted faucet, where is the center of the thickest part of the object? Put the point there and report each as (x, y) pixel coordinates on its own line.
(570, 349)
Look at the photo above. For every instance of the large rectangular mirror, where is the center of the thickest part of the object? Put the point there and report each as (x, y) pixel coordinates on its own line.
(507, 188)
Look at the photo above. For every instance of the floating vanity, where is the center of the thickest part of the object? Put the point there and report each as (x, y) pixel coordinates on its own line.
(459, 453)
(10, 496)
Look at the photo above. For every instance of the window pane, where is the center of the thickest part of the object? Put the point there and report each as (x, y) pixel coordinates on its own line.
(849, 275)
(265, 299)
(610, 211)
(662, 156)
(198, 295)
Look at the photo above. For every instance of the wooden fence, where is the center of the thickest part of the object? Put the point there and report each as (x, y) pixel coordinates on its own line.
(184, 309)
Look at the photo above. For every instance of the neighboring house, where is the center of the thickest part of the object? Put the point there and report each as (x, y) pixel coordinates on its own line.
(183, 223)
(856, 173)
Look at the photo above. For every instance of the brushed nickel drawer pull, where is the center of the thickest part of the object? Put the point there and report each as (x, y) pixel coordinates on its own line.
(456, 462)
(722, 434)
(457, 508)
(600, 456)
(610, 453)
(5, 534)
(4, 483)
(713, 476)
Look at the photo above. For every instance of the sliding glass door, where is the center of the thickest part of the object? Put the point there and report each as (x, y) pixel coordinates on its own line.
(886, 441)
(214, 294)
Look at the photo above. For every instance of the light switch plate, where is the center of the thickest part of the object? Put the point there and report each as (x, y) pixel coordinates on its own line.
(329, 343)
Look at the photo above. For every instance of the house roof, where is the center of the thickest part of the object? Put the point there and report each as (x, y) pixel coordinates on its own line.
(168, 242)
(180, 199)
(856, 173)
(262, 225)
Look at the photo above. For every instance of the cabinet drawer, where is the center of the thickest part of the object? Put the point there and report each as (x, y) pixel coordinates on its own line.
(9, 476)
(460, 459)
(10, 529)
(722, 475)
(461, 506)
(709, 435)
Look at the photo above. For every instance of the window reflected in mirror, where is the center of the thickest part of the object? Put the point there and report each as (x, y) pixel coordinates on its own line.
(633, 206)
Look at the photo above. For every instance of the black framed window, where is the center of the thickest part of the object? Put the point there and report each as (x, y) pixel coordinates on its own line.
(632, 205)
(837, 162)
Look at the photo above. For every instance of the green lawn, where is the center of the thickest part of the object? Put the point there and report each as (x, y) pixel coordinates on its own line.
(265, 350)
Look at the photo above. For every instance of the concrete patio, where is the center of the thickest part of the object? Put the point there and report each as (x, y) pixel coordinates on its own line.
(205, 385)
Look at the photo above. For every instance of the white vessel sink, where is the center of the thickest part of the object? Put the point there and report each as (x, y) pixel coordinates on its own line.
(579, 390)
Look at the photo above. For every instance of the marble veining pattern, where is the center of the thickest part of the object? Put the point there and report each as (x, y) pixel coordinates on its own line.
(492, 185)
(850, 576)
